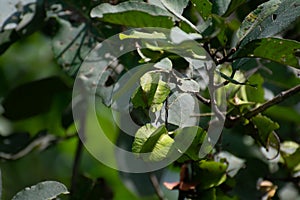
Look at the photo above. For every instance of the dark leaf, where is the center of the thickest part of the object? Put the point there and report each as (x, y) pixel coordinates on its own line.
(32, 98)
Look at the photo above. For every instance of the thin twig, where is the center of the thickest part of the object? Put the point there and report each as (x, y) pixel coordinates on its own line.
(226, 57)
(202, 99)
(156, 186)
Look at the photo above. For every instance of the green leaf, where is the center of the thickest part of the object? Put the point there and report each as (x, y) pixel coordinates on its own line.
(162, 148)
(138, 99)
(175, 41)
(255, 94)
(265, 127)
(274, 16)
(43, 190)
(175, 6)
(183, 138)
(284, 113)
(154, 141)
(279, 50)
(154, 90)
(36, 98)
(204, 7)
(210, 174)
(134, 14)
(180, 109)
(256, 17)
(146, 138)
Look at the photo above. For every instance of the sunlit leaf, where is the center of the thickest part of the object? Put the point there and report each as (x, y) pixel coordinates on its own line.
(152, 93)
(210, 174)
(279, 50)
(43, 190)
(142, 35)
(154, 141)
(162, 148)
(146, 138)
(134, 14)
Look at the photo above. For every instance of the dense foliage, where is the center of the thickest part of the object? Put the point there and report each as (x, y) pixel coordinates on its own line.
(213, 85)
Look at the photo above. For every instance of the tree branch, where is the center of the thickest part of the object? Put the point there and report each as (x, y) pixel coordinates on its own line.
(233, 120)
(277, 99)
